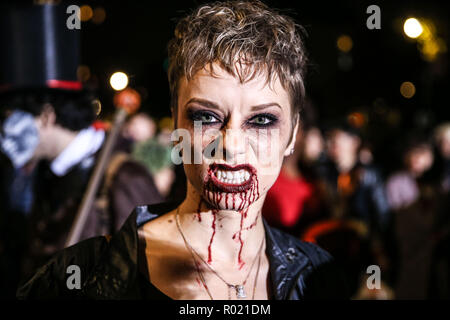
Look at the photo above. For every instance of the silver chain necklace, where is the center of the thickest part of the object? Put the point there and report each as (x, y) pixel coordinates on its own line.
(239, 288)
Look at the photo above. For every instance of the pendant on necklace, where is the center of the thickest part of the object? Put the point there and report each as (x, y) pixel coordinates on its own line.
(240, 293)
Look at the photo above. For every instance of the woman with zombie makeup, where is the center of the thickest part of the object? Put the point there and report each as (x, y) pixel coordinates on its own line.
(236, 73)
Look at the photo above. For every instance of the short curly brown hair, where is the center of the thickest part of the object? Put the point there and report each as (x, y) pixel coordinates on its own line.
(247, 32)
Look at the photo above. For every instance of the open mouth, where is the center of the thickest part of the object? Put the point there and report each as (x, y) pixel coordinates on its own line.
(231, 178)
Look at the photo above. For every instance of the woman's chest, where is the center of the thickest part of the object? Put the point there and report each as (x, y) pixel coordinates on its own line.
(183, 277)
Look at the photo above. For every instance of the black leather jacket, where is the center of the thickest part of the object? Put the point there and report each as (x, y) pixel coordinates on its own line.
(110, 268)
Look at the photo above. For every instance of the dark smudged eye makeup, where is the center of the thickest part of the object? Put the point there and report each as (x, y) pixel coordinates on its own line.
(260, 120)
(263, 120)
(206, 117)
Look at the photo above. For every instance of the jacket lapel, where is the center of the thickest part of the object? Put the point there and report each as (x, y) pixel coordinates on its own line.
(285, 262)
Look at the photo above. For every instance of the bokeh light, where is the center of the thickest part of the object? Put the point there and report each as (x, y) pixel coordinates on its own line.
(97, 105)
(407, 89)
(118, 81)
(85, 13)
(99, 15)
(357, 119)
(412, 28)
(345, 43)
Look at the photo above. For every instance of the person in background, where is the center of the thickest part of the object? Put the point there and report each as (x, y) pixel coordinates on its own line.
(353, 194)
(63, 160)
(354, 189)
(157, 158)
(140, 127)
(47, 133)
(365, 155)
(440, 263)
(402, 187)
(415, 205)
(139, 140)
(312, 153)
(178, 186)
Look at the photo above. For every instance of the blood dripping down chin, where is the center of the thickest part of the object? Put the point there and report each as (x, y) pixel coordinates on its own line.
(237, 201)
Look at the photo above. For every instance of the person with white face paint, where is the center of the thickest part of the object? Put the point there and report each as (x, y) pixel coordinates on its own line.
(49, 146)
(236, 73)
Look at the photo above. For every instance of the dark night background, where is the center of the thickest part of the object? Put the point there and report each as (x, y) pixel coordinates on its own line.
(134, 35)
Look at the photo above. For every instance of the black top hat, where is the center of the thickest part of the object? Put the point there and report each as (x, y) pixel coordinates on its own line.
(38, 50)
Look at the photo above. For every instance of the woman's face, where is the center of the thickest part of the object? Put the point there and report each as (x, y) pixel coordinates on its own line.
(239, 134)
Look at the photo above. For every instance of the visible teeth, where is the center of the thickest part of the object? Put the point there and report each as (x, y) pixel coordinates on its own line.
(233, 177)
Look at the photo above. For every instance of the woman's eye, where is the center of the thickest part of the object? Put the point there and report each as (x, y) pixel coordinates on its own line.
(207, 118)
(262, 120)
(204, 117)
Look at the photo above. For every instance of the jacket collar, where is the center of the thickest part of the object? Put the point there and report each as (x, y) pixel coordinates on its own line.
(116, 276)
(285, 262)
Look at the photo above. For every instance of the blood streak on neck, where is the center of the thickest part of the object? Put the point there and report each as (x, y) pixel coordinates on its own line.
(214, 212)
(215, 196)
(247, 228)
(199, 214)
(240, 262)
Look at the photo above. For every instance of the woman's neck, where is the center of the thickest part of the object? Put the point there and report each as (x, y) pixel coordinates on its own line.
(221, 236)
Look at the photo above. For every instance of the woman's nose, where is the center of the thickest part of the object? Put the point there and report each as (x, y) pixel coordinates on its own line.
(234, 145)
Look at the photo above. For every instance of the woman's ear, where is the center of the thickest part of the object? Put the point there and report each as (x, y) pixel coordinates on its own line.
(290, 147)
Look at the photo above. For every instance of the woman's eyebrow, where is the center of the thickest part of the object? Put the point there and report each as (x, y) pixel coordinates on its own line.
(264, 106)
(213, 105)
(203, 102)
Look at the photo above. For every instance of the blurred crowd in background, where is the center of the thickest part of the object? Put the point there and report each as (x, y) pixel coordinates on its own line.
(332, 191)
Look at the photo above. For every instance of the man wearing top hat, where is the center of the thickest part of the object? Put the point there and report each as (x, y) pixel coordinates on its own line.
(48, 146)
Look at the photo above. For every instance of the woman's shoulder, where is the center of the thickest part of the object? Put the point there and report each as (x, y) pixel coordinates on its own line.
(62, 276)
